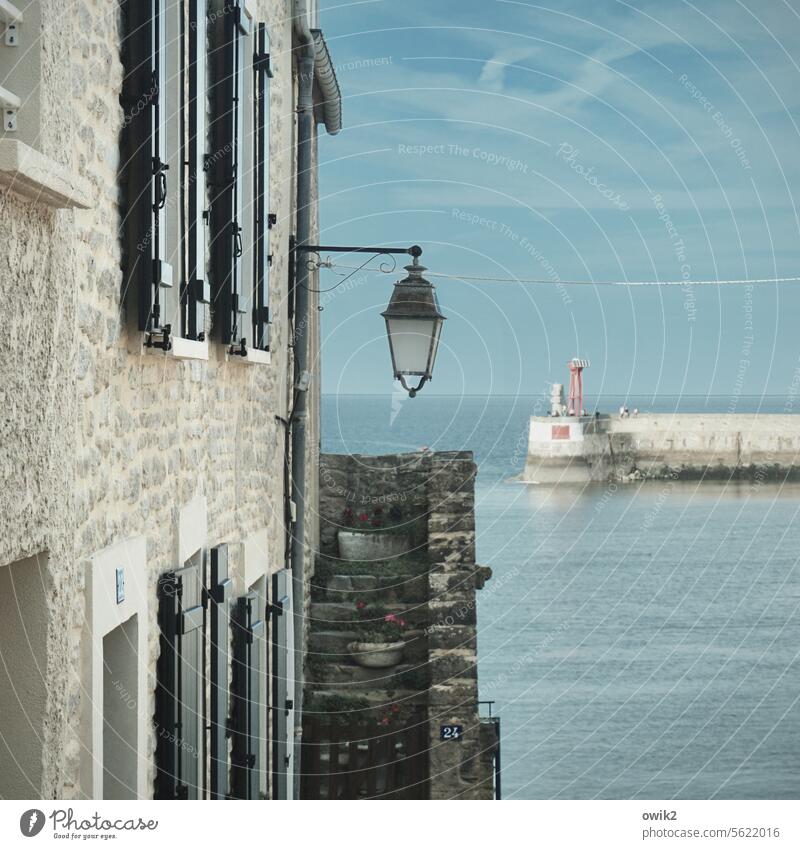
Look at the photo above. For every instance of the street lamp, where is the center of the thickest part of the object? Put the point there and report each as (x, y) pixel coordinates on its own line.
(413, 325)
(413, 319)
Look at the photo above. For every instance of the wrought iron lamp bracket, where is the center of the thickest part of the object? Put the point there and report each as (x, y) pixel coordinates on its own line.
(414, 251)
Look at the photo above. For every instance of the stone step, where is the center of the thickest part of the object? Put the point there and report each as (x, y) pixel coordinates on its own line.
(349, 677)
(323, 615)
(331, 646)
(376, 698)
(325, 645)
(351, 583)
(385, 589)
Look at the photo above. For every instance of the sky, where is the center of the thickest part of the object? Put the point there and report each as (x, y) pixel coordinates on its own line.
(592, 140)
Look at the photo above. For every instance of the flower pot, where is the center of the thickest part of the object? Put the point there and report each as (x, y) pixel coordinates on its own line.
(377, 545)
(376, 655)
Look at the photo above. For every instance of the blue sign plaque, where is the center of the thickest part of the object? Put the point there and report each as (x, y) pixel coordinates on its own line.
(451, 732)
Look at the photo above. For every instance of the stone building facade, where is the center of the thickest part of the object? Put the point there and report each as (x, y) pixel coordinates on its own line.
(122, 463)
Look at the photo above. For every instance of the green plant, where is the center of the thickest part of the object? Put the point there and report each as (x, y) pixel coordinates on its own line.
(337, 709)
(379, 626)
(329, 703)
(408, 566)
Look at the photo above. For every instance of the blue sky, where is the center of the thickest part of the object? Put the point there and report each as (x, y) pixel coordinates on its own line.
(572, 140)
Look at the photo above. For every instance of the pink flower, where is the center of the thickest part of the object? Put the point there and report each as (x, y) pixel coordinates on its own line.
(360, 605)
(384, 721)
(390, 617)
(363, 517)
(395, 708)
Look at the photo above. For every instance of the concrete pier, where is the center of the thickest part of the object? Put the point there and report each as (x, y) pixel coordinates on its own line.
(572, 449)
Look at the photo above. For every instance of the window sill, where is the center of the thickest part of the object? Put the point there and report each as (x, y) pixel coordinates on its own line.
(34, 176)
(254, 357)
(182, 349)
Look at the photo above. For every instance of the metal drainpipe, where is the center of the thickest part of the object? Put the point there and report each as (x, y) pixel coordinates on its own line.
(305, 129)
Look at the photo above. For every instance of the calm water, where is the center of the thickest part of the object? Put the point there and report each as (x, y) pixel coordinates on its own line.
(638, 641)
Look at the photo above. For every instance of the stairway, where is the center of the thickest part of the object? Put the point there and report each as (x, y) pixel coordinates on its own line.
(394, 586)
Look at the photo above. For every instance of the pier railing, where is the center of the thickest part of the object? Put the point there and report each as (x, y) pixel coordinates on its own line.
(490, 742)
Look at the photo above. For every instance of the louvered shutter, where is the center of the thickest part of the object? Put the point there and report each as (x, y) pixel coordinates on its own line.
(144, 159)
(232, 27)
(248, 634)
(179, 672)
(199, 289)
(219, 595)
(282, 684)
(263, 219)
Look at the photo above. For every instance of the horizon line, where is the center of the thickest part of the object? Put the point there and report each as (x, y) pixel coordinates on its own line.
(542, 395)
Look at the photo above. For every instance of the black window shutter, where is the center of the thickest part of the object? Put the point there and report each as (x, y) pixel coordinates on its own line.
(264, 219)
(219, 594)
(144, 159)
(282, 678)
(248, 634)
(199, 289)
(181, 616)
(230, 29)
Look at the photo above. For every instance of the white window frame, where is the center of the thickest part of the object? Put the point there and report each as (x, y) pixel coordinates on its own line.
(24, 170)
(176, 214)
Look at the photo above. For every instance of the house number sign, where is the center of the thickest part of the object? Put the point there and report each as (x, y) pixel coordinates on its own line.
(451, 732)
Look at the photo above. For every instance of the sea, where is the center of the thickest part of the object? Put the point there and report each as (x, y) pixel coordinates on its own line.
(636, 640)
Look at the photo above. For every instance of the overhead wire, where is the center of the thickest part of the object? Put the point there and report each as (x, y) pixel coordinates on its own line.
(558, 282)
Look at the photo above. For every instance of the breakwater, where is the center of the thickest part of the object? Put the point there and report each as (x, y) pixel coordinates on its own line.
(572, 449)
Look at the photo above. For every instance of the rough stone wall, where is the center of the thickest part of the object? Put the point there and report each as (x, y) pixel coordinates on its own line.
(102, 441)
(39, 426)
(458, 769)
(439, 489)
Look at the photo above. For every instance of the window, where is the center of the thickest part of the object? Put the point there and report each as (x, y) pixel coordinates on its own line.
(179, 709)
(13, 67)
(252, 782)
(164, 154)
(23, 169)
(219, 597)
(240, 161)
(249, 634)
(282, 706)
(235, 645)
(213, 671)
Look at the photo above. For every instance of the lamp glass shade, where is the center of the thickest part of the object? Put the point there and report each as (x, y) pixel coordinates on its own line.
(414, 325)
(413, 343)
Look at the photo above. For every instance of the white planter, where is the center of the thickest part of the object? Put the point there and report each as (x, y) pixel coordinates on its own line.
(376, 655)
(380, 545)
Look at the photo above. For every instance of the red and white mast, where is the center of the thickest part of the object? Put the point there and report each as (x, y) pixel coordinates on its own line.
(576, 367)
